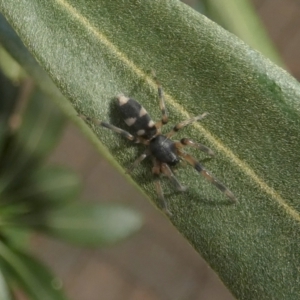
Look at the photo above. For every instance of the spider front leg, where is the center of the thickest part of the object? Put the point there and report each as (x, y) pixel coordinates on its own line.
(156, 170)
(118, 130)
(192, 161)
(137, 161)
(162, 106)
(185, 123)
(187, 142)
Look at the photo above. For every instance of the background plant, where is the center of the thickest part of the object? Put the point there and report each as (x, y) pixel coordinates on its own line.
(39, 197)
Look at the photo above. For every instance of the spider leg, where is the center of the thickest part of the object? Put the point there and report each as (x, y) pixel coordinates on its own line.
(192, 161)
(165, 169)
(162, 106)
(187, 142)
(156, 170)
(137, 161)
(118, 130)
(185, 123)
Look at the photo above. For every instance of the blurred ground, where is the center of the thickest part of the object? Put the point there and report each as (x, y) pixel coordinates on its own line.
(282, 21)
(156, 263)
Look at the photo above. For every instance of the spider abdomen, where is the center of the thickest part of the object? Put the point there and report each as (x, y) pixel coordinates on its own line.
(136, 117)
(164, 150)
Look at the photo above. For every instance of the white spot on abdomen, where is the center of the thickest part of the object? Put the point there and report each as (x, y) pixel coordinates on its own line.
(130, 121)
(151, 123)
(141, 132)
(122, 99)
(142, 112)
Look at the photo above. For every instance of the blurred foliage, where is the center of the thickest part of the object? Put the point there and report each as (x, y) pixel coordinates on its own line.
(37, 197)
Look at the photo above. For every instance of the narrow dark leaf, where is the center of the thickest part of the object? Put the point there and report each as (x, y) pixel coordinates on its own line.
(41, 127)
(38, 133)
(31, 275)
(8, 92)
(46, 189)
(4, 289)
(49, 186)
(19, 238)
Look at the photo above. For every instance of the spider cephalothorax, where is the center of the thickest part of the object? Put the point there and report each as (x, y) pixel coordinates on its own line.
(164, 151)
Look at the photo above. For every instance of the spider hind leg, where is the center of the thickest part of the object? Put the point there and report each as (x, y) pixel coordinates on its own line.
(144, 155)
(156, 171)
(198, 167)
(165, 169)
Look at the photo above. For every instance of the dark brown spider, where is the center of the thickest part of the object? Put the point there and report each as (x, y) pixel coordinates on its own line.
(164, 152)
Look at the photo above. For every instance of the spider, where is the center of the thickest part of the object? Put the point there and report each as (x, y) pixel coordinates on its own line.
(165, 152)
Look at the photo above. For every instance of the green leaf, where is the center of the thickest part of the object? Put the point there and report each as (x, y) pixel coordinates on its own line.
(4, 290)
(8, 96)
(92, 224)
(51, 185)
(31, 275)
(18, 237)
(94, 50)
(39, 133)
(45, 189)
(10, 67)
